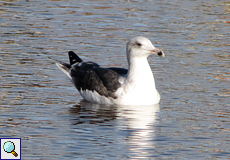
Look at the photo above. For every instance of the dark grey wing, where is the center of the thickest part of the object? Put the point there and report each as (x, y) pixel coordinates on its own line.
(109, 78)
(103, 81)
(90, 76)
(79, 71)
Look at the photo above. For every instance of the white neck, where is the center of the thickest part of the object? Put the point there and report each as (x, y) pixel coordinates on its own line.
(140, 72)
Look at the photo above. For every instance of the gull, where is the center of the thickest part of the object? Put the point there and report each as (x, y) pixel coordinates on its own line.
(116, 86)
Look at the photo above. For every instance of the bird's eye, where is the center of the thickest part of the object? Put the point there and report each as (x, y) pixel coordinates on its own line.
(138, 44)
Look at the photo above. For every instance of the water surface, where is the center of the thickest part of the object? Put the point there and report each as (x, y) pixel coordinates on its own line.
(41, 106)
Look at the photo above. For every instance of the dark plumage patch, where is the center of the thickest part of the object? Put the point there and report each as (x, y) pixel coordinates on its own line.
(90, 76)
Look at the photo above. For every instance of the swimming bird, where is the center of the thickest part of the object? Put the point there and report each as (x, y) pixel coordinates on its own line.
(119, 86)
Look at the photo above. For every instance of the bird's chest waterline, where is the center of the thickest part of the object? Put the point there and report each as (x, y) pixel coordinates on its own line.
(136, 94)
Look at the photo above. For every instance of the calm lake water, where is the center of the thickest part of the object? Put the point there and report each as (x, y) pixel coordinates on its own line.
(40, 105)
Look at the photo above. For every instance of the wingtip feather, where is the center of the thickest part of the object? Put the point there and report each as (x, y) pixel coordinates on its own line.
(73, 58)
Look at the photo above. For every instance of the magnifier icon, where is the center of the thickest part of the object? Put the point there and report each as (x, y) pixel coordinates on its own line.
(9, 147)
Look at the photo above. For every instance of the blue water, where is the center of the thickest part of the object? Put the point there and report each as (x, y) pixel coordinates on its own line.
(40, 105)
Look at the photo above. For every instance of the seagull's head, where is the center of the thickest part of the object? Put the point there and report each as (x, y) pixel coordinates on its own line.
(142, 47)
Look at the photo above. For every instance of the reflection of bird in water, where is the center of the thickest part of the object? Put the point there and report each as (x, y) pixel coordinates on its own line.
(92, 113)
(135, 86)
(140, 121)
(131, 126)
